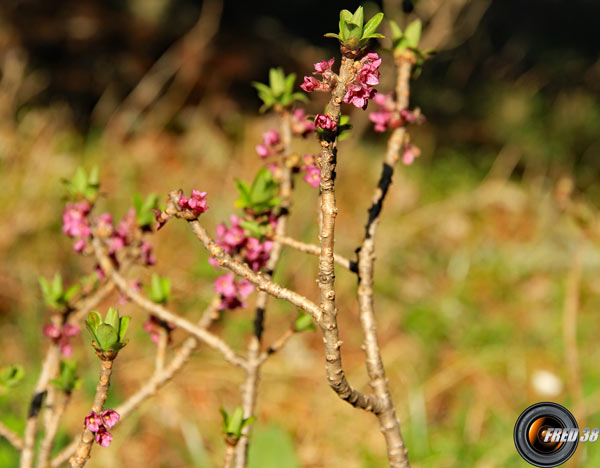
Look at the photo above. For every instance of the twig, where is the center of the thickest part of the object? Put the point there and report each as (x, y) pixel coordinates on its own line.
(11, 436)
(389, 425)
(258, 279)
(161, 349)
(250, 388)
(327, 162)
(157, 381)
(572, 363)
(229, 455)
(315, 250)
(49, 369)
(277, 345)
(52, 429)
(84, 448)
(164, 314)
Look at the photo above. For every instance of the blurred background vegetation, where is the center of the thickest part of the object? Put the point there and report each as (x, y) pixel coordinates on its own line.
(487, 242)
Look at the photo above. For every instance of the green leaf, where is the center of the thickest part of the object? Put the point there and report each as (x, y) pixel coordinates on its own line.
(358, 18)
(112, 318)
(289, 83)
(94, 319)
(79, 181)
(254, 228)
(165, 284)
(396, 31)
(107, 337)
(94, 177)
(336, 36)
(156, 288)
(248, 421)
(70, 293)
(277, 81)
(372, 25)
(57, 286)
(67, 379)
(123, 325)
(225, 418)
(345, 17)
(244, 191)
(11, 375)
(413, 33)
(234, 425)
(299, 97)
(303, 322)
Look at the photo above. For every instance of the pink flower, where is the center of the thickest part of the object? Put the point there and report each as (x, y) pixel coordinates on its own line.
(312, 176)
(146, 252)
(410, 153)
(257, 253)
(310, 84)
(381, 120)
(274, 169)
(52, 331)
(271, 138)
(93, 422)
(152, 326)
(75, 222)
(100, 273)
(300, 125)
(232, 237)
(79, 245)
(369, 74)
(323, 121)
(69, 330)
(359, 95)
(308, 159)
(322, 67)
(232, 293)
(245, 288)
(262, 150)
(103, 437)
(196, 202)
(225, 285)
(110, 418)
(61, 335)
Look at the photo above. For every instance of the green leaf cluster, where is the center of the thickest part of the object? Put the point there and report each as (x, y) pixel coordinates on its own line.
(354, 33)
(159, 290)
(67, 379)
(83, 185)
(10, 376)
(144, 215)
(261, 196)
(304, 322)
(54, 295)
(279, 92)
(109, 334)
(234, 423)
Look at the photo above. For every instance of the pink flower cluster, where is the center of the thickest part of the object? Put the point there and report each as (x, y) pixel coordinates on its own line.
(233, 239)
(360, 90)
(76, 224)
(325, 122)
(154, 324)
(99, 425)
(255, 253)
(123, 235)
(388, 116)
(232, 293)
(61, 336)
(300, 125)
(312, 174)
(270, 144)
(196, 203)
(323, 68)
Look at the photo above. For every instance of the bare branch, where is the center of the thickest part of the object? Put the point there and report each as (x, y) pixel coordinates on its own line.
(314, 249)
(11, 436)
(163, 313)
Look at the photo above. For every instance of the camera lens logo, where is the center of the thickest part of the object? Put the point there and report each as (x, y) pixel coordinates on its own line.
(546, 435)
